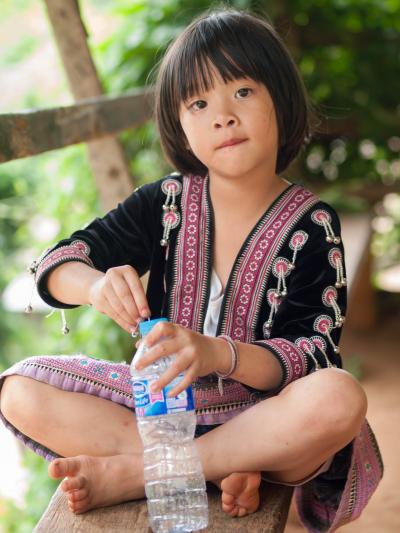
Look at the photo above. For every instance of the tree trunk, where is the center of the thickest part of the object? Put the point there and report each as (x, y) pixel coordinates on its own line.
(107, 158)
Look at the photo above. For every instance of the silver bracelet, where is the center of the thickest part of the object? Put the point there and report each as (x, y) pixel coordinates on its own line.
(234, 362)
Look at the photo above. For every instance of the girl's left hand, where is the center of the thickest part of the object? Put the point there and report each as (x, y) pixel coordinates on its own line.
(196, 354)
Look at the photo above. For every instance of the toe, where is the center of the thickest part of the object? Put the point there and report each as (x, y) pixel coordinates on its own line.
(73, 483)
(228, 499)
(234, 484)
(78, 495)
(64, 467)
(78, 507)
(242, 511)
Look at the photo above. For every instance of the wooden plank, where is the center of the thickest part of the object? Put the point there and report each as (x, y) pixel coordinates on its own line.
(34, 132)
(132, 516)
(107, 158)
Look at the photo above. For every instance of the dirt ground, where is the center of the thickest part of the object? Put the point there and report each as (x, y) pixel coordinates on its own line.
(379, 355)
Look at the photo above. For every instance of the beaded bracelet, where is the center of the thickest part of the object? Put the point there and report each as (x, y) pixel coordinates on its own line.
(234, 362)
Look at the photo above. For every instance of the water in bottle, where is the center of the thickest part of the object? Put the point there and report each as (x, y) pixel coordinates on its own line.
(174, 480)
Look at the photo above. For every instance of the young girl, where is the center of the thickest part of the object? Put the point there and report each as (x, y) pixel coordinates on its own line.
(248, 267)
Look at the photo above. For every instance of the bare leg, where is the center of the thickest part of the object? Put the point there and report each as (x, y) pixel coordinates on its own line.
(270, 436)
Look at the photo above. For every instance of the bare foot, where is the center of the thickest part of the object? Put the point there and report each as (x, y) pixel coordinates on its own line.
(92, 482)
(240, 494)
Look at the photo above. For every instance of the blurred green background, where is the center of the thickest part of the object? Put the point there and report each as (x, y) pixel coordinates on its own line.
(348, 53)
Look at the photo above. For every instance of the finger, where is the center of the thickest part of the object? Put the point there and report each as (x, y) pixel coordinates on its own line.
(164, 348)
(160, 330)
(137, 291)
(182, 385)
(179, 367)
(129, 310)
(109, 311)
(118, 307)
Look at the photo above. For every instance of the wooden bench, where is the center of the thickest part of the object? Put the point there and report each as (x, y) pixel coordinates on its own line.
(132, 516)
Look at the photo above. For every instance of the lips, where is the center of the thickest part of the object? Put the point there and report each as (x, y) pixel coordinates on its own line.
(231, 142)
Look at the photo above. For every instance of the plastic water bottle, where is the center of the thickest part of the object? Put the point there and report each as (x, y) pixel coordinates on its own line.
(174, 480)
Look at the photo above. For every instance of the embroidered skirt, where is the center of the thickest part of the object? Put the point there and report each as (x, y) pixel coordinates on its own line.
(326, 502)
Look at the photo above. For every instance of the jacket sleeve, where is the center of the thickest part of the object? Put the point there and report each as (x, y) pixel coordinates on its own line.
(125, 236)
(307, 307)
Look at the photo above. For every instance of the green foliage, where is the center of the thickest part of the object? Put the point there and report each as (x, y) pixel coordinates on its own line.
(20, 51)
(348, 55)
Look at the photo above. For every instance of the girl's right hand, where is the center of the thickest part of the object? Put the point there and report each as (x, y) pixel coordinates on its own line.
(119, 294)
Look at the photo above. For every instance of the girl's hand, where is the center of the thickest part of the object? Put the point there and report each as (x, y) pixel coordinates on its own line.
(119, 294)
(196, 355)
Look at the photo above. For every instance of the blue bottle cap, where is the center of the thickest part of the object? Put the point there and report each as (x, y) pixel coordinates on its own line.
(148, 325)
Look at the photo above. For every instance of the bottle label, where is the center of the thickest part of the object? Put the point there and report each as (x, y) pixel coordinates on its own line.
(149, 403)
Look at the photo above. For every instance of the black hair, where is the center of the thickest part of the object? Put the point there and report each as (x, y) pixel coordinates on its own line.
(237, 44)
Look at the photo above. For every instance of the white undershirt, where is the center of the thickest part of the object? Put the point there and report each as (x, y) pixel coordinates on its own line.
(214, 305)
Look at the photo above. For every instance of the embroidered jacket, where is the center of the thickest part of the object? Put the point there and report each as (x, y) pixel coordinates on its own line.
(286, 291)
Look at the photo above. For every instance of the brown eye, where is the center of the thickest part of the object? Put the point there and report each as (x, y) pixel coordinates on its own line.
(243, 92)
(199, 104)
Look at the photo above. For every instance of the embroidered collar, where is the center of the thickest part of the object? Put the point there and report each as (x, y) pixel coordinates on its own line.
(248, 280)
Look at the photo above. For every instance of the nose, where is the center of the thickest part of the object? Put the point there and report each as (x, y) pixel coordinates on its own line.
(224, 119)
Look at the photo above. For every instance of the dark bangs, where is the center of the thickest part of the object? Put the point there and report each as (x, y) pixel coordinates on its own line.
(235, 44)
(210, 51)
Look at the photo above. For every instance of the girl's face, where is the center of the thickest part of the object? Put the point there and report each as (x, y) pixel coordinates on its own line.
(232, 128)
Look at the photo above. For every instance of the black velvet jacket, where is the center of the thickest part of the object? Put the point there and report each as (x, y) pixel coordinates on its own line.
(287, 287)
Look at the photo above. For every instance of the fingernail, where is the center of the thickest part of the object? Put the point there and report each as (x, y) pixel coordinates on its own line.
(145, 313)
(154, 388)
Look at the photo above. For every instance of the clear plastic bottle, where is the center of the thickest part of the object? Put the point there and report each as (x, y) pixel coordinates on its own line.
(174, 480)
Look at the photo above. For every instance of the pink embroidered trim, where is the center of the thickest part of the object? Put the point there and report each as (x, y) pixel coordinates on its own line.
(76, 251)
(248, 289)
(291, 357)
(190, 272)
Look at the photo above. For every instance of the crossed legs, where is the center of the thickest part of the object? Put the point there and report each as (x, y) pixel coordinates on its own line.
(289, 436)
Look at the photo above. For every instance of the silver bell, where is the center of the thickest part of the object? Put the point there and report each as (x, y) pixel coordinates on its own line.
(65, 330)
(28, 309)
(164, 242)
(329, 238)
